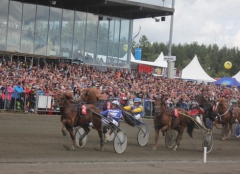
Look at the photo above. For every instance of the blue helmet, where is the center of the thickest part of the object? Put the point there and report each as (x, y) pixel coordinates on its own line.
(137, 100)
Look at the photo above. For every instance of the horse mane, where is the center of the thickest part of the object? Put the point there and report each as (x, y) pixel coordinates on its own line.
(95, 92)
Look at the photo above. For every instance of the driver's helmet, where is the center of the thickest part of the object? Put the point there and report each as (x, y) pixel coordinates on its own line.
(137, 100)
(234, 102)
(116, 102)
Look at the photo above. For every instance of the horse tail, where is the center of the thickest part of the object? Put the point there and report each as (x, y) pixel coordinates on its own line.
(190, 127)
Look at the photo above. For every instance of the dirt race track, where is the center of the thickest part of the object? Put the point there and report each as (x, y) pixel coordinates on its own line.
(34, 144)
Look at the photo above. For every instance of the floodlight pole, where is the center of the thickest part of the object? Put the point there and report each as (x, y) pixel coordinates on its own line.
(170, 68)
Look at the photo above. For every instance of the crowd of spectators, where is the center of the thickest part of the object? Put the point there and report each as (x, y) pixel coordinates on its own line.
(122, 84)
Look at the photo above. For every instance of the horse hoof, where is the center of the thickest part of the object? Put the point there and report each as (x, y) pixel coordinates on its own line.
(98, 149)
(69, 148)
(64, 133)
(223, 139)
(154, 148)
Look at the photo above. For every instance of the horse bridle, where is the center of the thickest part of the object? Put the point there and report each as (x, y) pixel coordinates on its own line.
(223, 113)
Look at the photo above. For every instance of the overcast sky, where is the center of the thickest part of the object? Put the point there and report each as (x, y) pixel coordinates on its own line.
(204, 21)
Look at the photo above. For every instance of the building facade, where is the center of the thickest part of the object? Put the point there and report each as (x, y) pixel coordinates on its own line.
(32, 27)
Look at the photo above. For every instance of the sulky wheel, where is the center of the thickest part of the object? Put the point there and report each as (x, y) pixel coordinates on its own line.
(208, 142)
(120, 142)
(170, 138)
(237, 129)
(142, 136)
(78, 134)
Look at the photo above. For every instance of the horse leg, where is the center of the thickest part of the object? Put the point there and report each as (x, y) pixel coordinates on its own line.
(156, 138)
(86, 131)
(215, 124)
(99, 129)
(64, 130)
(179, 137)
(225, 128)
(70, 130)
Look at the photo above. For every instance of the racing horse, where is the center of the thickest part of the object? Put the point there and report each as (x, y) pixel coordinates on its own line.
(93, 96)
(224, 115)
(72, 116)
(208, 109)
(164, 120)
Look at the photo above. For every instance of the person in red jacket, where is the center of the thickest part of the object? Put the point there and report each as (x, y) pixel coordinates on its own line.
(196, 111)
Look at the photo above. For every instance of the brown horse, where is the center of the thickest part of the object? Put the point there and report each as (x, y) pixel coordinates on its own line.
(71, 116)
(93, 96)
(224, 115)
(164, 120)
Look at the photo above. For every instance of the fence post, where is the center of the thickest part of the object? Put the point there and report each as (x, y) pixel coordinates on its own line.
(36, 105)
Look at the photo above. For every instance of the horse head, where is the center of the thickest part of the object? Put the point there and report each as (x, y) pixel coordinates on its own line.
(89, 95)
(160, 105)
(220, 106)
(59, 100)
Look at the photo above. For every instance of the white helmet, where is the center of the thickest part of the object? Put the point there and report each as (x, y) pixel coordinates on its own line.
(116, 102)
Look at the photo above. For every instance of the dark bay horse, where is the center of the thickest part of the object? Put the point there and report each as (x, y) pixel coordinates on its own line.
(208, 107)
(72, 116)
(164, 120)
(224, 116)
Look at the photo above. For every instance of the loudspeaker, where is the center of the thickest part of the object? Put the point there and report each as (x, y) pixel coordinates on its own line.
(162, 18)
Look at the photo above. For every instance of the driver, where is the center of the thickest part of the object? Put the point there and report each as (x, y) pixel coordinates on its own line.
(137, 109)
(196, 111)
(113, 115)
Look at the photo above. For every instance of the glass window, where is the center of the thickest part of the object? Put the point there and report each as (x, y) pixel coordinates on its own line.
(40, 45)
(67, 22)
(53, 45)
(92, 21)
(112, 54)
(123, 55)
(3, 38)
(111, 29)
(28, 21)
(13, 40)
(124, 33)
(3, 12)
(27, 39)
(42, 19)
(103, 28)
(15, 15)
(79, 26)
(102, 53)
(66, 46)
(55, 21)
(90, 51)
(78, 49)
(116, 30)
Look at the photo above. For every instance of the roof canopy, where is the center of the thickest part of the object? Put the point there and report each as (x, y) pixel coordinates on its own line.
(194, 71)
(227, 81)
(237, 76)
(159, 63)
(115, 8)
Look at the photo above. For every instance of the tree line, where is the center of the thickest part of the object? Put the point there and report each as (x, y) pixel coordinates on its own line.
(211, 57)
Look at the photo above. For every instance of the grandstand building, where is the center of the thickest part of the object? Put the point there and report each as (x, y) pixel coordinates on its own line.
(96, 32)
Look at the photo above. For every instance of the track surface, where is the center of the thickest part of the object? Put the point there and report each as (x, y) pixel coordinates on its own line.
(34, 144)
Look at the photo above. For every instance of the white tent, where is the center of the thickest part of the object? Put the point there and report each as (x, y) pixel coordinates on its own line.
(237, 76)
(194, 71)
(160, 61)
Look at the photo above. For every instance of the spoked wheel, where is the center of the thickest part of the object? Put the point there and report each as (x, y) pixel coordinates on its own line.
(143, 136)
(111, 137)
(237, 129)
(79, 132)
(120, 142)
(170, 138)
(208, 142)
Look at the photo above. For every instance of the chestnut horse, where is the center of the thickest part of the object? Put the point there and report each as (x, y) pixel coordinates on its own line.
(93, 96)
(224, 115)
(164, 120)
(71, 116)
